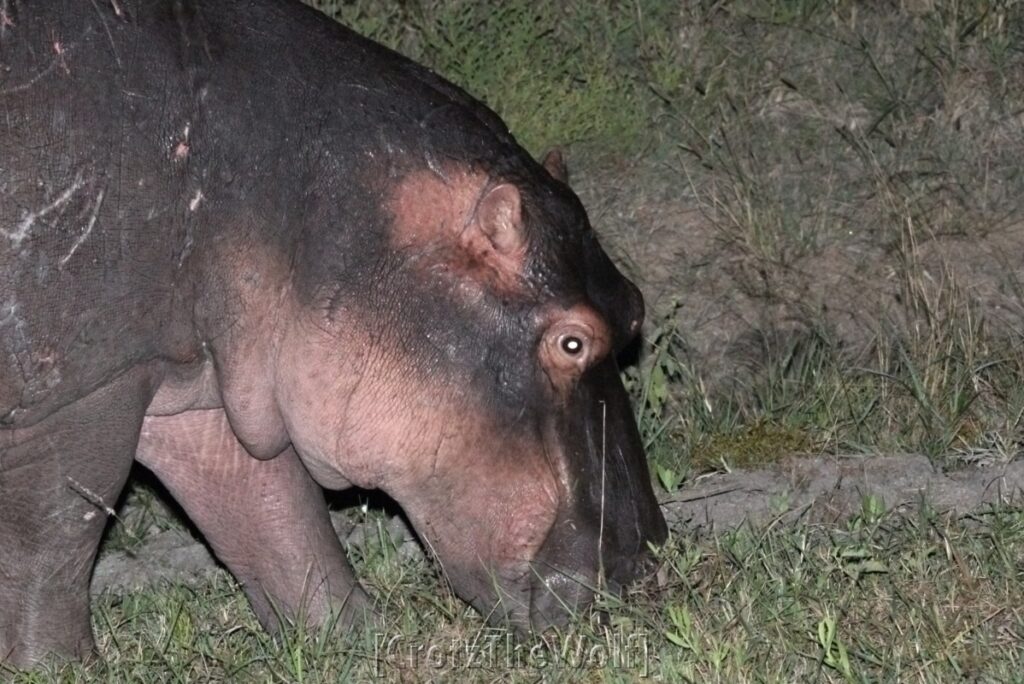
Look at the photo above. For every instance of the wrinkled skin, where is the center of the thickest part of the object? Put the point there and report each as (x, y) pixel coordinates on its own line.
(261, 256)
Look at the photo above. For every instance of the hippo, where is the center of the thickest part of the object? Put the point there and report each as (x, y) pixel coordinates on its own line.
(263, 256)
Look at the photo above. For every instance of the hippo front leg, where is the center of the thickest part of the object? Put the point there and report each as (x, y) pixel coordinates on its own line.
(59, 478)
(267, 521)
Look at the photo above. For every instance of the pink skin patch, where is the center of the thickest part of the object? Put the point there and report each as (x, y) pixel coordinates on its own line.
(59, 52)
(490, 505)
(462, 224)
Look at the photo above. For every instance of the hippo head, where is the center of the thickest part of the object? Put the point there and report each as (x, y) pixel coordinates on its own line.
(471, 374)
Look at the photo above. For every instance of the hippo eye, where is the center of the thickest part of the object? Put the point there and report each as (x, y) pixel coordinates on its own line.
(572, 345)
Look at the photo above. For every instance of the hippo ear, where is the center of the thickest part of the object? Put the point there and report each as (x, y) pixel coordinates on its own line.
(554, 163)
(472, 222)
(499, 216)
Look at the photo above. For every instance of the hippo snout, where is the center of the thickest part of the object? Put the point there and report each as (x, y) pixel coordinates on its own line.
(601, 537)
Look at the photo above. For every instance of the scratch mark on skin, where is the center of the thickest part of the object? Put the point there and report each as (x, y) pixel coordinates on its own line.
(10, 315)
(117, 9)
(90, 496)
(88, 229)
(359, 86)
(17, 342)
(60, 54)
(436, 167)
(194, 203)
(29, 218)
(32, 81)
(110, 36)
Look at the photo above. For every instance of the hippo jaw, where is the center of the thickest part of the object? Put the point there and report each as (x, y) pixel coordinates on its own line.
(576, 515)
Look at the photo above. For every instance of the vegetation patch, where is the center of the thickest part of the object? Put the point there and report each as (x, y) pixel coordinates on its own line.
(754, 445)
(556, 72)
(880, 597)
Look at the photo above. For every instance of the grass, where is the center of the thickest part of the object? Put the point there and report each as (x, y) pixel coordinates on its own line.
(884, 597)
(813, 138)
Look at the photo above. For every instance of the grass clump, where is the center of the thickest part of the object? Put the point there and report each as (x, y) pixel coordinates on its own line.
(552, 70)
(753, 445)
(885, 598)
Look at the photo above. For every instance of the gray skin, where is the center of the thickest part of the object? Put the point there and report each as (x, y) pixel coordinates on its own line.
(261, 255)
